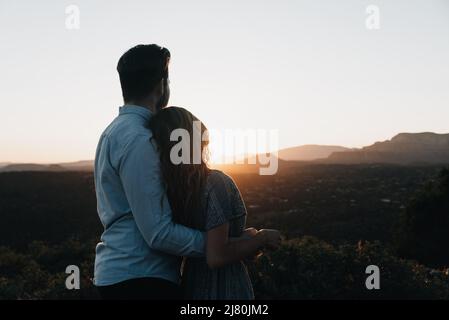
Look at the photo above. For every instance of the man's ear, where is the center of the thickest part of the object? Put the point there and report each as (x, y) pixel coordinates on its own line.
(160, 87)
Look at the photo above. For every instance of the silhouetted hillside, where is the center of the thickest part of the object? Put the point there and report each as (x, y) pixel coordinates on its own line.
(86, 165)
(83, 165)
(404, 148)
(31, 167)
(309, 152)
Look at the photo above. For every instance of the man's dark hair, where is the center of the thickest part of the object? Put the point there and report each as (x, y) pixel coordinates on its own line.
(141, 68)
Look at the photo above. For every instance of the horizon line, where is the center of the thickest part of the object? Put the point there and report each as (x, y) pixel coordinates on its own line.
(7, 162)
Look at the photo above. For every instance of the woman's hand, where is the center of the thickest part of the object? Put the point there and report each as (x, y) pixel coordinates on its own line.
(249, 233)
(271, 238)
(222, 250)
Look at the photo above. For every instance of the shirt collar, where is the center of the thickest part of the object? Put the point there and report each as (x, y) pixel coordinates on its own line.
(142, 111)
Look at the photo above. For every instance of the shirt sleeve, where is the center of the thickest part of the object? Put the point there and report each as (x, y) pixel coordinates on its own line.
(142, 182)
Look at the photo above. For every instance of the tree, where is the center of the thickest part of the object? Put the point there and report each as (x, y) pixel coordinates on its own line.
(424, 234)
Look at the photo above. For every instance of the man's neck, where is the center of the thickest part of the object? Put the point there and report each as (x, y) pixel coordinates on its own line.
(144, 104)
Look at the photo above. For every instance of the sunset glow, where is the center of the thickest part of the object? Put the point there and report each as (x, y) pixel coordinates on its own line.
(311, 70)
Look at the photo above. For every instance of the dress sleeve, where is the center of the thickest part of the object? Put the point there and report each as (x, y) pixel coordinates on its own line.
(219, 207)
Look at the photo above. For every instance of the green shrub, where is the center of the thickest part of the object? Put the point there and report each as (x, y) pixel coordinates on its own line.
(312, 269)
(304, 268)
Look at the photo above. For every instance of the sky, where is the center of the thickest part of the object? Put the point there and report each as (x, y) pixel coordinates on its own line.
(310, 69)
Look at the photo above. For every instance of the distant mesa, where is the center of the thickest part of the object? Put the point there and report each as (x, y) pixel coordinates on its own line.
(404, 148)
(83, 165)
(31, 167)
(425, 148)
(309, 152)
(70, 166)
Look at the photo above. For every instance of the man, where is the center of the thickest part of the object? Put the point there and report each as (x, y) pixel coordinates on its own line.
(140, 249)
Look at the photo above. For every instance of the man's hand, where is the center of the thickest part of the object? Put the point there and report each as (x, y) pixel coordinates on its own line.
(249, 233)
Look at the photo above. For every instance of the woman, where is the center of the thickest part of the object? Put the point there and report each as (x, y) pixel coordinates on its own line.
(208, 200)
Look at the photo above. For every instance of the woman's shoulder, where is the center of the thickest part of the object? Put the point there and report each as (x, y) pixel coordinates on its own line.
(220, 197)
(221, 184)
(219, 179)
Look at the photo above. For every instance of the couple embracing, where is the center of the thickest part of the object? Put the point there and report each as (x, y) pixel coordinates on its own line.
(171, 231)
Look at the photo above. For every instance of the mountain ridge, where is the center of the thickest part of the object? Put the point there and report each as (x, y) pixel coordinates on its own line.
(309, 152)
(403, 148)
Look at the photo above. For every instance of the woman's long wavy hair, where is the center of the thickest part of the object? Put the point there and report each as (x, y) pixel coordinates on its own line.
(184, 182)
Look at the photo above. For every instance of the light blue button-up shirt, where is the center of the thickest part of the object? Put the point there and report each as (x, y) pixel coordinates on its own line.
(139, 238)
